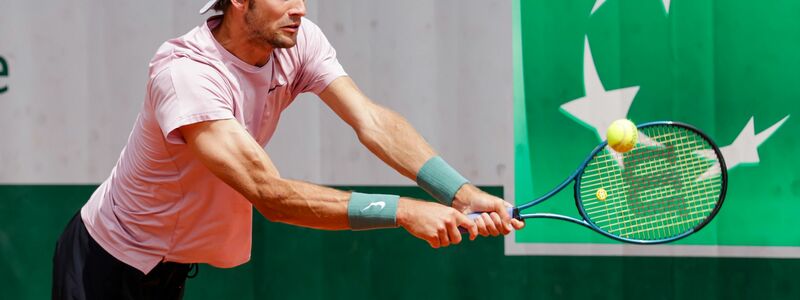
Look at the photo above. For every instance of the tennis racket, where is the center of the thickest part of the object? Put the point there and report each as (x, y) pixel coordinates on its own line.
(670, 185)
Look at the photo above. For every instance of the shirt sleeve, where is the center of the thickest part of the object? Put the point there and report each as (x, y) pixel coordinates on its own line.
(320, 66)
(188, 92)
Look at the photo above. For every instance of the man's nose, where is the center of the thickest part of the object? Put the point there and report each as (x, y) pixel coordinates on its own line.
(298, 9)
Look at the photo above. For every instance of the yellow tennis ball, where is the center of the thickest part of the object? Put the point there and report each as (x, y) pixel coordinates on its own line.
(601, 194)
(622, 135)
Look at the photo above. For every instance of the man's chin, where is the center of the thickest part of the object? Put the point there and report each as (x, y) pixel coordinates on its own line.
(284, 43)
(282, 40)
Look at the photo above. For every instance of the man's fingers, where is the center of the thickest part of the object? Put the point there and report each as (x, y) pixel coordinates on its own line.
(466, 223)
(517, 224)
(434, 242)
(444, 239)
(490, 224)
(502, 227)
(508, 224)
(481, 225)
(455, 235)
(502, 209)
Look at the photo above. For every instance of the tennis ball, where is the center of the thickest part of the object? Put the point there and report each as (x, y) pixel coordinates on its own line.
(601, 194)
(622, 135)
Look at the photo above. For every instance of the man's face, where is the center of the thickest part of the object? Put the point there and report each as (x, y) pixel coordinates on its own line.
(274, 22)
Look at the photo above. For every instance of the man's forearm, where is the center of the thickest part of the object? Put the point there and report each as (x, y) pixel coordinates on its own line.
(303, 204)
(309, 205)
(384, 132)
(390, 137)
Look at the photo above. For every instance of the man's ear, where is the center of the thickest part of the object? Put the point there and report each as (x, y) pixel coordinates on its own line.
(239, 4)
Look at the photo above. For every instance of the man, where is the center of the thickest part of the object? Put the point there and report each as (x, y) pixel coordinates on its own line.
(194, 166)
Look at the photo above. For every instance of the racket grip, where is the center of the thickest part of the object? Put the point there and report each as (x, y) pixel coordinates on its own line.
(512, 211)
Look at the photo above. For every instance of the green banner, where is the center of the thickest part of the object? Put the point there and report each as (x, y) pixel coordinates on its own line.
(728, 68)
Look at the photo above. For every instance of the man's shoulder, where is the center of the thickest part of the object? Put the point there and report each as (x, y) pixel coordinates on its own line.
(185, 67)
(191, 51)
(184, 74)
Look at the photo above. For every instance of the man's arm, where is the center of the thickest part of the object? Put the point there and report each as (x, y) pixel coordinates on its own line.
(229, 152)
(390, 137)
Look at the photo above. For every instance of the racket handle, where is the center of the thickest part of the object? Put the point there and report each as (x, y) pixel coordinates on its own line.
(512, 211)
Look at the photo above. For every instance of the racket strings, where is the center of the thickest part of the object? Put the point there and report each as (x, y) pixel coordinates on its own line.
(608, 167)
(666, 207)
(695, 192)
(655, 190)
(651, 224)
(647, 222)
(681, 225)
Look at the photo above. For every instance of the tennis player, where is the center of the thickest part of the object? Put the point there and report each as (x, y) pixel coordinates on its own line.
(183, 189)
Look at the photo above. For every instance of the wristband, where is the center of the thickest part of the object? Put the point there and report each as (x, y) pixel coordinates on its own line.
(372, 211)
(440, 180)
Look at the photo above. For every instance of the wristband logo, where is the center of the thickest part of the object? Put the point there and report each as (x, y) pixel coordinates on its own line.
(3, 73)
(380, 204)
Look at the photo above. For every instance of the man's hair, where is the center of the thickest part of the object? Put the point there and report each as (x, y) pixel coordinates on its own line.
(221, 5)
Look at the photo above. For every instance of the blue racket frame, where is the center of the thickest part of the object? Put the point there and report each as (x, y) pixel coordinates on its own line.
(586, 222)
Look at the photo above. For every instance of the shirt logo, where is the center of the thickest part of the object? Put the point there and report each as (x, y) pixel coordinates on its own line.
(273, 88)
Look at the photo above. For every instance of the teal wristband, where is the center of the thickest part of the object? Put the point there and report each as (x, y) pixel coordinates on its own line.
(372, 211)
(440, 180)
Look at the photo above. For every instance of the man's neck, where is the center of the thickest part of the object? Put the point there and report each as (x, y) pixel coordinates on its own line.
(234, 38)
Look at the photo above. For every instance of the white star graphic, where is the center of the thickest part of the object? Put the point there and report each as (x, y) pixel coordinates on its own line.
(599, 107)
(599, 3)
(743, 150)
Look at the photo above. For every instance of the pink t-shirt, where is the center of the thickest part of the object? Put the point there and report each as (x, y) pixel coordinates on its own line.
(160, 203)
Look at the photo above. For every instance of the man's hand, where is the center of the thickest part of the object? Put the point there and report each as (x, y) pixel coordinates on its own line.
(435, 223)
(495, 220)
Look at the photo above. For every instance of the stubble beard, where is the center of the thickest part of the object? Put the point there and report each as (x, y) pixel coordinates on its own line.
(260, 36)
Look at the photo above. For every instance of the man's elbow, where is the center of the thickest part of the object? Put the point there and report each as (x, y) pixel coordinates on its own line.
(270, 199)
(272, 215)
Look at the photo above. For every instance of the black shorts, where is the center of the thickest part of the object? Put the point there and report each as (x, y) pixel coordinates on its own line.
(82, 269)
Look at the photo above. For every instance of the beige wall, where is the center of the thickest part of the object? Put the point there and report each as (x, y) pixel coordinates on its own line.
(77, 72)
